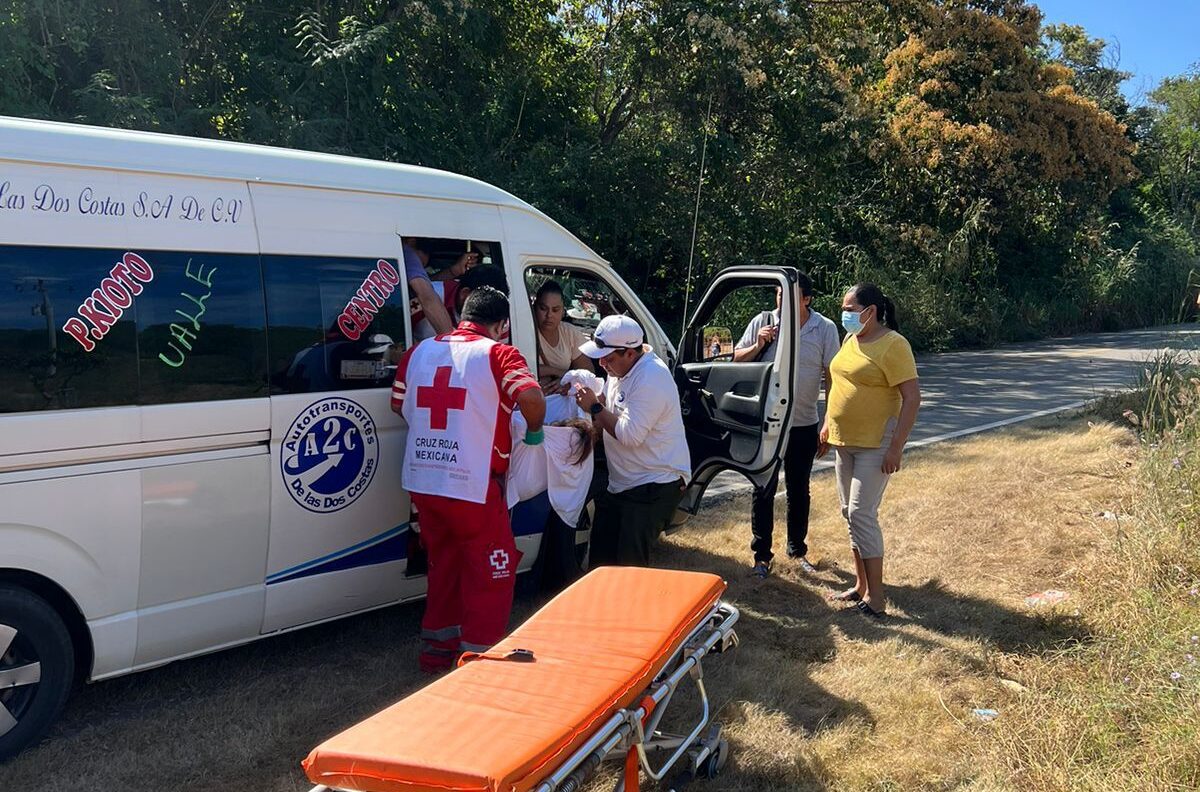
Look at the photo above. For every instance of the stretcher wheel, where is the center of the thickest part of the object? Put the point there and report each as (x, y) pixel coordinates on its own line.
(716, 761)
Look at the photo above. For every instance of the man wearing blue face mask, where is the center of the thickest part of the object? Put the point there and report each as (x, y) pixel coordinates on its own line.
(818, 343)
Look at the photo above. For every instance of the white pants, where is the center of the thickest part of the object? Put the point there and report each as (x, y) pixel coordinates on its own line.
(861, 482)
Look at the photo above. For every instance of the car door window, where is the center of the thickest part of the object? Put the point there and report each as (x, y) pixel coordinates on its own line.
(735, 393)
(729, 408)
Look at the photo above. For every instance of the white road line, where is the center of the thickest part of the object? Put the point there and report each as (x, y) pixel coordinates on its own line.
(995, 424)
(826, 465)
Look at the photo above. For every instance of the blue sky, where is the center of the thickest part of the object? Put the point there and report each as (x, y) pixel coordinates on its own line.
(1158, 38)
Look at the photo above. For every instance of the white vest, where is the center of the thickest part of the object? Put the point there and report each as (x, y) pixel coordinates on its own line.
(451, 408)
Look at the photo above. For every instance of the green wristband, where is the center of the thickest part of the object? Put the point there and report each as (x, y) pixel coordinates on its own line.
(534, 438)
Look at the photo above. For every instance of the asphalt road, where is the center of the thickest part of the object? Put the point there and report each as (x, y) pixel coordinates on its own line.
(975, 391)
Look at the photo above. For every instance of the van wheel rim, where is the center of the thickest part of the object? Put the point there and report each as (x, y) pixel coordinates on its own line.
(20, 673)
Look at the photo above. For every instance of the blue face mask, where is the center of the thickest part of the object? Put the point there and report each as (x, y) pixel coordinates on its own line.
(852, 322)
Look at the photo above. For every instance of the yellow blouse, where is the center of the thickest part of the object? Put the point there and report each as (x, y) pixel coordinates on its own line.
(865, 391)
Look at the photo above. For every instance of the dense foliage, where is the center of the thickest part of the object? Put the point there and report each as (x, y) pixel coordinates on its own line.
(982, 168)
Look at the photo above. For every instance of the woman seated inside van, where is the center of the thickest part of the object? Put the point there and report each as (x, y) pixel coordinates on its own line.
(558, 341)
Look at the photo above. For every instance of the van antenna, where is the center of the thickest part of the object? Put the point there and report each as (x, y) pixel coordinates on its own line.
(687, 291)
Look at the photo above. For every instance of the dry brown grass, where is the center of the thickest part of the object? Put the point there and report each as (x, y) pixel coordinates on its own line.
(816, 697)
(824, 699)
(1122, 711)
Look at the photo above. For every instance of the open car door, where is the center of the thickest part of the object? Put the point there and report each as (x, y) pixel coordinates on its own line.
(737, 414)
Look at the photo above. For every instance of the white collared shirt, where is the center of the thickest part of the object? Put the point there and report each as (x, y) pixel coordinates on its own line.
(649, 445)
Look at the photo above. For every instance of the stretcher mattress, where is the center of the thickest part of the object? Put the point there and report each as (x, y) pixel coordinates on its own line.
(496, 724)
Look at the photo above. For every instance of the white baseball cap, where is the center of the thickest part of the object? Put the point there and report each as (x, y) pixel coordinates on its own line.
(380, 343)
(614, 332)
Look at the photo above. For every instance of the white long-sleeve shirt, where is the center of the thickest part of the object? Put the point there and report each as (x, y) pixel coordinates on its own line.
(649, 445)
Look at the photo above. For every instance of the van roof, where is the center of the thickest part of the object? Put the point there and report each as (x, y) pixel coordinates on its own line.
(56, 142)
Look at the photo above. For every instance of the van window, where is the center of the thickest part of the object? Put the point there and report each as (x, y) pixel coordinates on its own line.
(439, 254)
(586, 296)
(333, 323)
(95, 328)
(444, 261)
(44, 367)
(202, 329)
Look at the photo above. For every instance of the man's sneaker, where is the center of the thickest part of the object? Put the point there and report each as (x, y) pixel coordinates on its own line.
(761, 569)
(806, 566)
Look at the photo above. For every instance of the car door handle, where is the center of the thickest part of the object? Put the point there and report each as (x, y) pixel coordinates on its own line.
(748, 406)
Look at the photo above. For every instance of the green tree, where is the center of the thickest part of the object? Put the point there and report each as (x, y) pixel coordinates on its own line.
(1094, 65)
(980, 168)
(1174, 147)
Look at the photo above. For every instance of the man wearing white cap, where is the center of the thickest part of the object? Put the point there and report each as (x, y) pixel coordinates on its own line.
(644, 442)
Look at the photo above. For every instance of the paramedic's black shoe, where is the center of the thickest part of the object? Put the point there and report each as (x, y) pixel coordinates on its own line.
(761, 569)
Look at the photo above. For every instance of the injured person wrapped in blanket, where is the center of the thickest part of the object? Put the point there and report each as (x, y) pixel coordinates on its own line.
(561, 465)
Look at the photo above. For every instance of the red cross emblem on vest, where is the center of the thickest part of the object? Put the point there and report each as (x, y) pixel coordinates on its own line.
(440, 398)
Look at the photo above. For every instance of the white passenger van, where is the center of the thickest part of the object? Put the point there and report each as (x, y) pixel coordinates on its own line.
(196, 445)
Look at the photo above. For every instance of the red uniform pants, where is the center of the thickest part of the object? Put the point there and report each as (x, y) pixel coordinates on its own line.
(472, 573)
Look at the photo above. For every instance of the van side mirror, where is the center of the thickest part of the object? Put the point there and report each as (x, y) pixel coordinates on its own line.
(717, 343)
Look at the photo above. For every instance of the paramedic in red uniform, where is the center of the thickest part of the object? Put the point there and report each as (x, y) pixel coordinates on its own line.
(456, 392)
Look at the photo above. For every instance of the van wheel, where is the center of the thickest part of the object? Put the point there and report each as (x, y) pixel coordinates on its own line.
(37, 668)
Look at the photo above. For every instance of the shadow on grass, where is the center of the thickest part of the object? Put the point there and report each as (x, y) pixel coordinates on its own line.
(793, 622)
(780, 639)
(935, 607)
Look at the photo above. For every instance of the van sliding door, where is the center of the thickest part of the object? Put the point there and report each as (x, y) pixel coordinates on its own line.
(337, 313)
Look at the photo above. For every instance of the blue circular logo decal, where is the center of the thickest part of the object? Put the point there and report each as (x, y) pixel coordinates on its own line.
(329, 455)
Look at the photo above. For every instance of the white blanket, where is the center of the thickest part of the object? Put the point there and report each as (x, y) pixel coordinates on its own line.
(562, 407)
(549, 467)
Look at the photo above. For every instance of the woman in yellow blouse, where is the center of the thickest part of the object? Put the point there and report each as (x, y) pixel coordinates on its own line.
(873, 401)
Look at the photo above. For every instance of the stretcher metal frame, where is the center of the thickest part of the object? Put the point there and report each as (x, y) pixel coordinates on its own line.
(635, 729)
(633, 732)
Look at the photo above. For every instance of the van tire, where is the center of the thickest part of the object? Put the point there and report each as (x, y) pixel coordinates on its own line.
(31, 633)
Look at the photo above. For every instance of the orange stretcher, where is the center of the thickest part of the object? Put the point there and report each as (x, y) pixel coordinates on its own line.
(586, 678)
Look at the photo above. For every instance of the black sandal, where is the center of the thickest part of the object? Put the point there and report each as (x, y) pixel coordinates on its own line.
(867, 610)
(846, 596)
